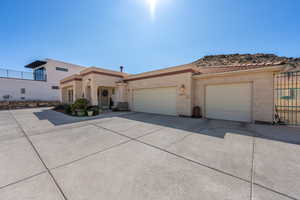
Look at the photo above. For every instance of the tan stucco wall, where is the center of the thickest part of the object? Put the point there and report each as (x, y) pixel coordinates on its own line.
(103, 80)
(94, 81)
(55, 76)
(183, 101)
(64, 94)
(121, 93)
(98, 80)
(194, 94)
(262, 93)
(162, 71)
(77, 90)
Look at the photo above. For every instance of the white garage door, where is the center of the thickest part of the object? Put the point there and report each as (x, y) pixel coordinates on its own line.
(229, 102)
(155, 100)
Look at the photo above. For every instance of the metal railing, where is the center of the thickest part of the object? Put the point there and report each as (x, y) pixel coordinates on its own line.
(287, 98)
(14, 74)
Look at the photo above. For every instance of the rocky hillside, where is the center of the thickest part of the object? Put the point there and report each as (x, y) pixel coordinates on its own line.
(238, 59)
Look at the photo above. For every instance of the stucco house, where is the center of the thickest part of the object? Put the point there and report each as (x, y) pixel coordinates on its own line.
(239, 92)
(41, 84)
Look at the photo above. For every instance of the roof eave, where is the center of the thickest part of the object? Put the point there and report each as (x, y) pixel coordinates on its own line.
(74, 77)
(264, 69)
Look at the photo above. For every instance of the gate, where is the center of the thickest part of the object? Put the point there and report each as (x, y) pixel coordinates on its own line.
(287, 98)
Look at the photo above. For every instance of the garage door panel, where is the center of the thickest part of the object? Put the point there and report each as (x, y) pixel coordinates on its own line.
(155, 100)
(229, 102)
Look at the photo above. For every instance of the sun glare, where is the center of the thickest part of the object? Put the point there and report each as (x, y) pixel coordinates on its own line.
(152, 7)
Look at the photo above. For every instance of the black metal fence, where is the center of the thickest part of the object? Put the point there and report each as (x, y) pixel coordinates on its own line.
(287, 98)
(7, 73)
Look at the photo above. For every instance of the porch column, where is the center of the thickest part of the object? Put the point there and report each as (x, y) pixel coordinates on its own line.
(121, 94)
(94, 95)
(77, 90)
(64, 95)
(87, 92)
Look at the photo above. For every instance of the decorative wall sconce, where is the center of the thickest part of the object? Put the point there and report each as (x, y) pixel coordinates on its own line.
(88, 82)
(182, 89)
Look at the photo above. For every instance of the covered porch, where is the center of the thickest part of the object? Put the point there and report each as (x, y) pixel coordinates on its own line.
(105, 90)
(106, 97)
(71, 89)
(102, 96)
(67, 95)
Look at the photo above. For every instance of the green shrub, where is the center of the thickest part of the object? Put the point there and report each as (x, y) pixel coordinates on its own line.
(72, 108)
(80, 104)
(68, 109)
(61, 107)
(64, 107)
(95, 109)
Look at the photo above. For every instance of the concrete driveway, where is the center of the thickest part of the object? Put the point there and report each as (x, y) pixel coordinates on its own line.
(46, 155)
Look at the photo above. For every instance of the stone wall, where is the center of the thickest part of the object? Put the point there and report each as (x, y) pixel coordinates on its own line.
(8, 105)
(237, 59)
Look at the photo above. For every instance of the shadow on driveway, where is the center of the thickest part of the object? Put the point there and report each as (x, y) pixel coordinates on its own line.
(219, 128)
(215, 128)
(58, 118)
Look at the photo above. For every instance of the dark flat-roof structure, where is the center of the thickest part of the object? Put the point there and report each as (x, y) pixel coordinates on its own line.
(36, 64)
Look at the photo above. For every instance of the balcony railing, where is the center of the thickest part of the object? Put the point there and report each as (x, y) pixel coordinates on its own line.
(13, 74)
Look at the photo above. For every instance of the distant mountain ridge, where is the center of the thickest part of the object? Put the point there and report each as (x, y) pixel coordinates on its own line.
(239, 59)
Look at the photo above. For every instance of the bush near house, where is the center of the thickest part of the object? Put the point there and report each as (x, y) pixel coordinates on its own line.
(61, 107)
(95, 109)
(81, 107)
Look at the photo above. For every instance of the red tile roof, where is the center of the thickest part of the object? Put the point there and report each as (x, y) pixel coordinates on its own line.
(231, 68)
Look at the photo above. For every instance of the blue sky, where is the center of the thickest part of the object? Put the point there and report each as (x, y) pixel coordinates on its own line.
(110, 33)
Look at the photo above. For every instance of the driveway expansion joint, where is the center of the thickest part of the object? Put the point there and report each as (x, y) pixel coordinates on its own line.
(272, 190)
(252, 166)
(255, 134)
(106, 149)
(253, 141)
(123, 135)
(40, 158)
(92, 154)
(174, 154)
(23, 179)
(179, 140)
(60, 129)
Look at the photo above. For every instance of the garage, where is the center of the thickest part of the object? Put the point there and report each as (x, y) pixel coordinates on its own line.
(155, 100)
(229, 102)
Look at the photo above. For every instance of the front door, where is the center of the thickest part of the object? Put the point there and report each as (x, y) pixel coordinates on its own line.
(104, 96)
